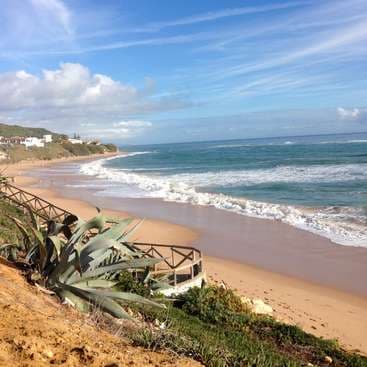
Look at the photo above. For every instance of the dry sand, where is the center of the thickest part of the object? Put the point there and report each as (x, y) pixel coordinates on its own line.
(36, 332)
(320, 310)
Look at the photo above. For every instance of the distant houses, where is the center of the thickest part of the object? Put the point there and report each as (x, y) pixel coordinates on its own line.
(30, 141)
(33, 141)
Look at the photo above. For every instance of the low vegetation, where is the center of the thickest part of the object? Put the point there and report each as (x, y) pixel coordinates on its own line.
(212, 326)
(18, 153)
(93, 264)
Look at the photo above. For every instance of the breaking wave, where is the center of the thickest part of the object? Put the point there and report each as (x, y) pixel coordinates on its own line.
(343, 225)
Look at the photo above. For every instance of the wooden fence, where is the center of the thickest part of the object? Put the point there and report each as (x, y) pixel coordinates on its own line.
(179, 263)
(24, 199)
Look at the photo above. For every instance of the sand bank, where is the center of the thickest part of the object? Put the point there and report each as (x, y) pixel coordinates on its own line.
(321, 310)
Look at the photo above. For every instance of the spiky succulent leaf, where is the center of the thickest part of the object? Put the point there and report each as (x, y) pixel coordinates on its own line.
(27, 240)
(105, 303)
(123, 265)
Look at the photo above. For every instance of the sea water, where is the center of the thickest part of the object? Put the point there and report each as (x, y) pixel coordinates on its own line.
(316, 183)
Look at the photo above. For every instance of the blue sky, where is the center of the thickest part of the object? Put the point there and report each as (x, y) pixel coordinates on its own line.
(160, 71)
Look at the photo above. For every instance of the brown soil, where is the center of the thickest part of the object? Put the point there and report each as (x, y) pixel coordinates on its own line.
(36, 330)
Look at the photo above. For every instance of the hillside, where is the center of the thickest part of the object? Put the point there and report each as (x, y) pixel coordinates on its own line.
(60, 148)
(36, 331)
(51, 151)
(15, 130)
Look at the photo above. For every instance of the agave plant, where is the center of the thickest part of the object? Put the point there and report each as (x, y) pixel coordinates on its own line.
(81, 262)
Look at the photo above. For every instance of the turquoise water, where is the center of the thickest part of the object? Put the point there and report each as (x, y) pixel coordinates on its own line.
(318, 183)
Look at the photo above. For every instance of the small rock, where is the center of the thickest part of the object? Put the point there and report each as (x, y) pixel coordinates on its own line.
(309, 364)
(257, 306)
(261, 308)
(328, 360)
(48, 353)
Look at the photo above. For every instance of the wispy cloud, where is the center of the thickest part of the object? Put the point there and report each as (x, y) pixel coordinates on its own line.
(57, 10)
(223, 13)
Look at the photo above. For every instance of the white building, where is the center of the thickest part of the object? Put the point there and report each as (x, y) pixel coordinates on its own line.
(75, 141)
(33, 142)
(47, 138)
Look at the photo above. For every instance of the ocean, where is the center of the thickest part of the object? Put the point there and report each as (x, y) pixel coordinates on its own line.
(316, 183)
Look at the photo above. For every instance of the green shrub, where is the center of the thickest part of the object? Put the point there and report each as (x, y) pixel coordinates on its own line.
(212, 303)
(111, 147)
(127, 283)
(76, 149)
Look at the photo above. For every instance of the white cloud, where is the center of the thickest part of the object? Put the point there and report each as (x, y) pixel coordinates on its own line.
(72, 98)
(344, 113)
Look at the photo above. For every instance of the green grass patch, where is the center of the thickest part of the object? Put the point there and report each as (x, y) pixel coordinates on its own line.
(8, 230)
(213, 326)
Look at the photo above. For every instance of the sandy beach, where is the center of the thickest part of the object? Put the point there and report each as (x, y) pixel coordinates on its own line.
(316, 291)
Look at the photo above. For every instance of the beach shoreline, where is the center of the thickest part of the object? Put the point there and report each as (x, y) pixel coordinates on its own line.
(322, 310)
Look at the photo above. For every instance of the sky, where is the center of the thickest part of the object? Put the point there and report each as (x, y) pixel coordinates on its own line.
(143, 71)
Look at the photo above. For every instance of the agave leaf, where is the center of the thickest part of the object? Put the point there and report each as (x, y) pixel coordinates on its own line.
(34, 219)
(31, 253)
(115, 232)
(113, 220)
(13, 254)
(6, 246)
(157, 285)
(71, 267)
(90, 262)
(126, 297)
(127, 235)
(43, 255)
(95, 283)
(22, 229)
(56, 242)
(9, 251)
(98, 243)
(123, 265)
(105, 303)
(98, 222)
(78, 302)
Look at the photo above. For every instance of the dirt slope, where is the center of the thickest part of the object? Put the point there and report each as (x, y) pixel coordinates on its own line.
(36, 330)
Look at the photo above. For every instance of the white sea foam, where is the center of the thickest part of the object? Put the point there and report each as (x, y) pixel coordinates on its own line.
(132, 154)
(281, 174)
(332, 223)
(357, 141)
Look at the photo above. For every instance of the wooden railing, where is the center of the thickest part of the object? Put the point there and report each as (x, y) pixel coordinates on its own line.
(179, 263)
(24, 199)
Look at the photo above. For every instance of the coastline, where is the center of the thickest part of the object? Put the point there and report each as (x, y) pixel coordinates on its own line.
(318, 309)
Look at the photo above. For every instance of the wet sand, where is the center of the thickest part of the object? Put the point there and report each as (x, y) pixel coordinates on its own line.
(260, 258)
